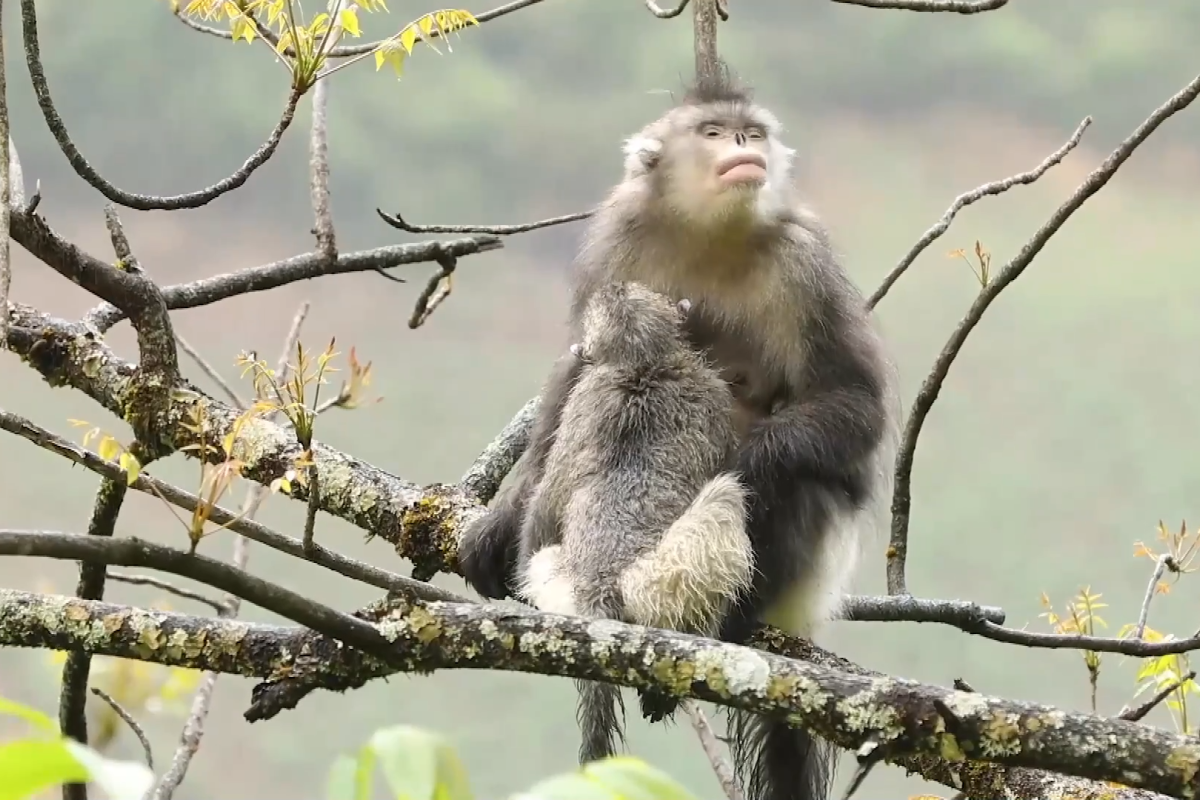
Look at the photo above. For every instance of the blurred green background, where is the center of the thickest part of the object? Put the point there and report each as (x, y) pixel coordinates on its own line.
(1065, 431)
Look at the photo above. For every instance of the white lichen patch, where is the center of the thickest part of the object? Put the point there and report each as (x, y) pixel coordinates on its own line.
(863, 712)
(392, 629)
(551, 643)
(810, 695)
(488, 629)
(1001, 735)
(742, 671)
(259, 438)
(966, 704)
(1055, 719)
(604, 631)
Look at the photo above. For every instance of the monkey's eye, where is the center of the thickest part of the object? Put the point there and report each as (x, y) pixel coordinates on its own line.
(755, 134)
(711, 131)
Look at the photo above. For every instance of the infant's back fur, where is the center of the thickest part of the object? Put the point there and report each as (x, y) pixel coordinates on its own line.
(647, 427)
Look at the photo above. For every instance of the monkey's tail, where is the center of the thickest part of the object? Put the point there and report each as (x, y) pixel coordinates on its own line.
(546, 585)
(702, 561)
(778, 762)
(601, 711)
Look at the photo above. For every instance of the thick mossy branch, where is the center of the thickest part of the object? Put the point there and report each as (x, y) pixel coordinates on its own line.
(911, 721)
(421, 523)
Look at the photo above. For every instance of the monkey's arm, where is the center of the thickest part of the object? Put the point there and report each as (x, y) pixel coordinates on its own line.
(805, 465)
(488, 550)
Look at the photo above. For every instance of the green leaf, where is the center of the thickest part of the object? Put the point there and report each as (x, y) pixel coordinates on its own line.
(419, 765)
(363, 774)
(633, 779)
(342, 781)
(572, 786)
(349, 21)
(29, 766)
(30, 715)
(119, 780)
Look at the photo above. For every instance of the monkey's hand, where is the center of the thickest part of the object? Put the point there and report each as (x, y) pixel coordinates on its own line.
(487, 552)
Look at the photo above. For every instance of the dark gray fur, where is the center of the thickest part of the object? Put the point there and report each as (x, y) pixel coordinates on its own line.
(777, 314)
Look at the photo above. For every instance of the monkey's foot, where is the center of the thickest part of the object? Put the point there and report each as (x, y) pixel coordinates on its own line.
(657, 705)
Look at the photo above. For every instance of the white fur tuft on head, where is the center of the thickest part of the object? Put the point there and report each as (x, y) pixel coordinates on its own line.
(641, 154)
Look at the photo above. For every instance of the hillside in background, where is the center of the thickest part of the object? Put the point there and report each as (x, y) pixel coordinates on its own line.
(1064, 433)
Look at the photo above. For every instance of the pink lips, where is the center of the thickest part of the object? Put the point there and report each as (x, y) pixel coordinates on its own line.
(743, 168)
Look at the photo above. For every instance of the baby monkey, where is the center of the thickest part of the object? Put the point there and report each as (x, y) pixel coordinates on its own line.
(634, 517)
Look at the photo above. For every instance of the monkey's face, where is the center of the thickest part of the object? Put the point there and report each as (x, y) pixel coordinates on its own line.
(722, 163)
(734, 155)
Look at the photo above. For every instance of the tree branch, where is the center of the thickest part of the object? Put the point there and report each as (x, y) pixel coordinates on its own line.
(72, 701)
(84, 170)
(318, 168)
(951, 6)
(964, 200)
(329, 559)
(6, 193)
(712, 750)
(666, 13)
(128, 719)
(704, 36)
(453, 636)
(131, 291)
(166, 586)
(902, 495)
(398, 222)
(207, 291)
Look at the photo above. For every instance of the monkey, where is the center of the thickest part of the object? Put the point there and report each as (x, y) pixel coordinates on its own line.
(634, 517)
(707, 209)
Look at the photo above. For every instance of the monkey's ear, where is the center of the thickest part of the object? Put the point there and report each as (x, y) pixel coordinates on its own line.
(684, 306)
(577, 351)
(641, 154)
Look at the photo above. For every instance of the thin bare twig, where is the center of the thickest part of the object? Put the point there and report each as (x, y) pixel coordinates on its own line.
(1101, 644)
(964, 200)
(906, 608)
(128, 719)
(869, 755)
(712, 749)
(166, 586)
(86, 171)
(398, 222)
(1138, 713)
(666, 13)
(307, 266)
(436, 290)
(310, 513)
(1164, 562)
(211, 371)
(318, 167)
(704, 36)
(943, 6)
(1094, 182)
(6, 195)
